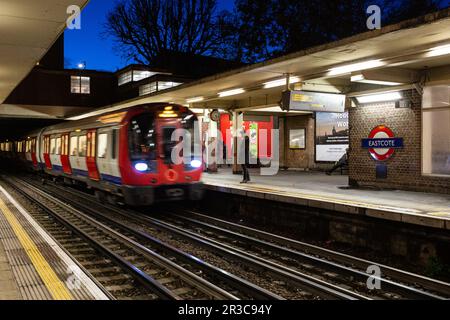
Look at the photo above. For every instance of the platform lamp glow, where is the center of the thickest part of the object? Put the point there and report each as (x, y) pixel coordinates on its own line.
(381, 97)
(231, 92)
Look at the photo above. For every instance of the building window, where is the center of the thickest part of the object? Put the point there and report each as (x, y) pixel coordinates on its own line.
(140, 75)
(125, 78)
(148, 88)
(80, 85)
(164, 85)
(436, 130)
(157, 86)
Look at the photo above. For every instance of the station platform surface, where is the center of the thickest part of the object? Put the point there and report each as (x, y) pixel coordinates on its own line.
(317, 190)
(32, 265)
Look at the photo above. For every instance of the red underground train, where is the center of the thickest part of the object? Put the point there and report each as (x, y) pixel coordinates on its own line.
(126, 156)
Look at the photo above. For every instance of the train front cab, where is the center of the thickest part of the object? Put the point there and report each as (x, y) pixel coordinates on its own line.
(148, 171)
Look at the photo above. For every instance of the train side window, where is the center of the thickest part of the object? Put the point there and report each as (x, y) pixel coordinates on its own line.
(58, 146)
(53, 146)
(82, 146)
(102, 145)
(74, 146)
(114, 144)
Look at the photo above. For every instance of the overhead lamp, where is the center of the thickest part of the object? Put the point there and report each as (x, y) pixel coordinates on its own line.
(439, 51)
(280, 82)
(195, 99)
(231, 93)
(362, 79)
(81, 65)
(197, 110)
(381, 97)
(356, 67)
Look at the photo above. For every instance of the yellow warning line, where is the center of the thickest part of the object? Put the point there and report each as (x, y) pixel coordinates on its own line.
(54, 285)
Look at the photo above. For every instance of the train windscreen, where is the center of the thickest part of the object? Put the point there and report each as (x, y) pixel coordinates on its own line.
(142, 138)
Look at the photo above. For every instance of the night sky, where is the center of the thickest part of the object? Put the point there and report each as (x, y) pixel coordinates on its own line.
(88, 45)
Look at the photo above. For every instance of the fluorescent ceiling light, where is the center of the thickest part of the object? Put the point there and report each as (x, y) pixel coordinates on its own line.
(197, 110)
(280, 82)
(439, 51)
(356, 67)
(196, 99)
(362, 79)
(231, 92)
(382, 97)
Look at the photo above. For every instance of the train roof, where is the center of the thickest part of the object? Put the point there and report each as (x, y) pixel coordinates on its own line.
(106, 119)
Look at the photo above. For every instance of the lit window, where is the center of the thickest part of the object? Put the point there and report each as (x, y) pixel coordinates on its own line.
(80, 85)
(125, 78)
(140, 75)
(436, 130)
(102, 145)
(82, 146)
(148, 88)
(58, 146)
(52, 146)
(74, 146)
(164, 85)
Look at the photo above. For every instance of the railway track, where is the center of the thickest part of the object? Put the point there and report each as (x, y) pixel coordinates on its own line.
(395, 283)
(138, 272)
(310, 285)
(322, 272)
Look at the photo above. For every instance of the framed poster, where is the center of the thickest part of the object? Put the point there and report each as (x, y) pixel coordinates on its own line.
(332, 136)
(297, 139)
(254, 140)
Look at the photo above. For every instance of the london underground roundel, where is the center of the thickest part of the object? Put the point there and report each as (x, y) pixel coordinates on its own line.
(382, 143)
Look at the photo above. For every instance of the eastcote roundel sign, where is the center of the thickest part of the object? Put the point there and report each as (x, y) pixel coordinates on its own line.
(382, 143)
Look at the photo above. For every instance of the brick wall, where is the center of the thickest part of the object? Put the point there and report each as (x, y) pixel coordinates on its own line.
(405, 166)
(299, 159)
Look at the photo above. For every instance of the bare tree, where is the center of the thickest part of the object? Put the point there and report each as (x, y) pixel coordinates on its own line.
(145, 29)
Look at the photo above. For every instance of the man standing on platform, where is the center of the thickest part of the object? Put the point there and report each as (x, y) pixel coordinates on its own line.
(246, 173)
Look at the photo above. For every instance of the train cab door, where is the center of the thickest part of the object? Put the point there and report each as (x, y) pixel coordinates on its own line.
(33, 152)
(48, 163)
(65, 161)
(91, 162)
(171, 171)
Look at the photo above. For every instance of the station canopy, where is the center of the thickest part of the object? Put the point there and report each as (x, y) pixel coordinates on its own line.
(28, 28)
(391, 55)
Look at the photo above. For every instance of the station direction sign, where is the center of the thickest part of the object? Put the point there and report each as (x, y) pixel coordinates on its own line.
(313, 101)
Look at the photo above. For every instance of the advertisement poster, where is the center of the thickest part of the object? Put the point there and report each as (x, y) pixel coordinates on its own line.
(254, 140)
(297, 139)
(332, 136)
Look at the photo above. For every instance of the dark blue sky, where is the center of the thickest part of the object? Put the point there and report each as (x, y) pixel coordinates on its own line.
(89, 45)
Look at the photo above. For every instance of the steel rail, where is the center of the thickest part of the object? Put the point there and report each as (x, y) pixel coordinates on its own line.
(161, 290)
(306, 282)
(394, 273)
(253, 290)
(410, 292)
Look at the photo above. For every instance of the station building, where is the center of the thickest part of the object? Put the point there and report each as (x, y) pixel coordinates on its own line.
(391, 84)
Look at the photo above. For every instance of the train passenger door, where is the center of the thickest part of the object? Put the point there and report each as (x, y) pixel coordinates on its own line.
(48, 163)
(165, 129)
(65, 161)
(107, 160)
(91, 155)
(33, 153)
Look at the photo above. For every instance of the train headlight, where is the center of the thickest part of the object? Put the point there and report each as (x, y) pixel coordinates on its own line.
(196, 163)
(141, 166)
